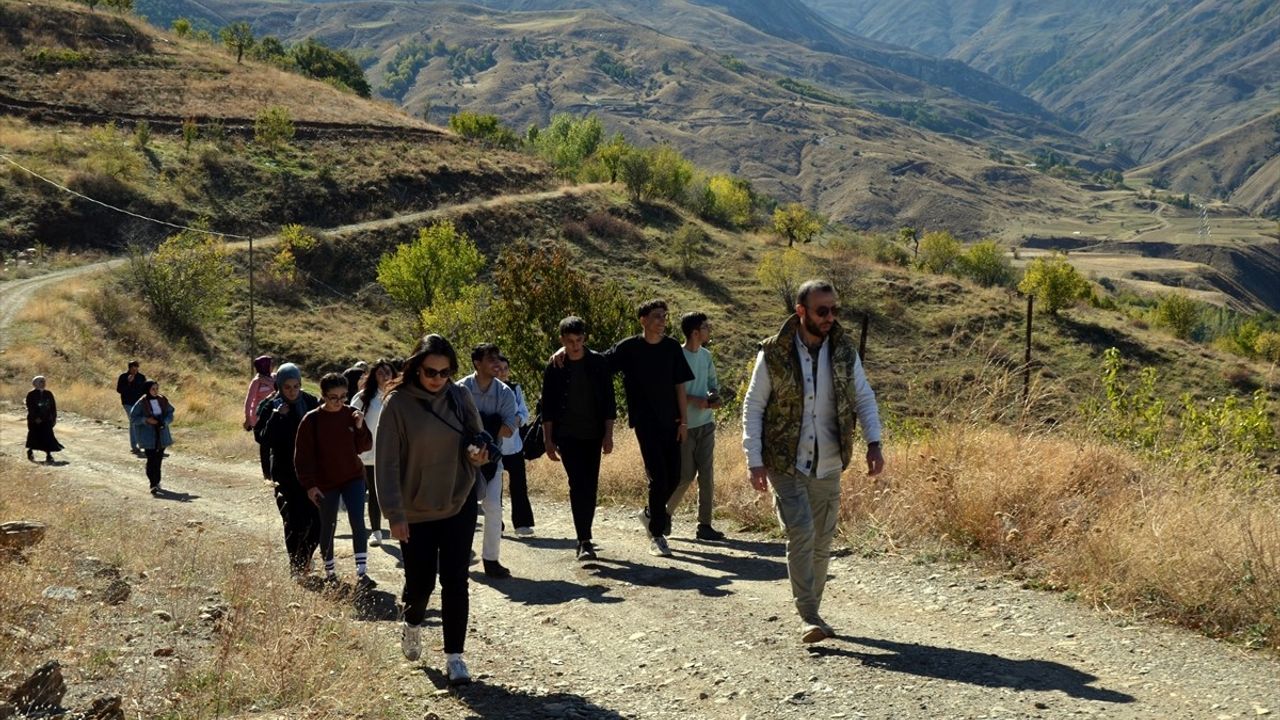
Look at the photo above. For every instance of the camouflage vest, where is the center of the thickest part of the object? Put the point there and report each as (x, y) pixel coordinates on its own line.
(783, 413)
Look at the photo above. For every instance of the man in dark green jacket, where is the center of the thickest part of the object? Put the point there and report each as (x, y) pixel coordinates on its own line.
(806, 395)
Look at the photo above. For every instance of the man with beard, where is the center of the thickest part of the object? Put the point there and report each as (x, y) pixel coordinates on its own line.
(806, 395)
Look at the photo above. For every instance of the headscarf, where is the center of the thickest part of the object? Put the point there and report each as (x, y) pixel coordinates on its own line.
(147, 398)
(262, 364)
(289, 371)
(35, 381)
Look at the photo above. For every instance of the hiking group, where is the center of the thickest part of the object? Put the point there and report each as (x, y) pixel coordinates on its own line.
(427, 454)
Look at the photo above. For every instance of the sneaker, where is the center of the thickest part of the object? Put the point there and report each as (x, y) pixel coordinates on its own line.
(643, 517)
(524, 532)
(364, 583)
(706, 532)
(411, 641)
(658, 546)
(155, 489)
(375, 538)
(812, 633)
(457, 671)
(495, 569)
(586, 551)
(830, 631)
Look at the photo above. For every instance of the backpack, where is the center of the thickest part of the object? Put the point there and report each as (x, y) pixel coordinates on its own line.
(260, 427)
(534, 444)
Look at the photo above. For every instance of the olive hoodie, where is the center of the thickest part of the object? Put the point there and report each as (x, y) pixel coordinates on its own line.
(422, 472)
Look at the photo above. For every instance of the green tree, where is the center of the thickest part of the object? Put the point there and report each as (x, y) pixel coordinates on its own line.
(185, 282)
(688, 245)
(671, 173)
(611, 154)
(182, 27)
(939, 252)
(190, 131)
(486, 128)
(316, 60)
(636, 171)
(1179, 313)
(987, 264)
(1054, 282)
(797, 223)
(782, 272)
(910, 237)
(730, 201)
(238, 37)
(435, 267)
(567, 142)
(1267, 346)
(284, 266)
(273, 127)
(269, 49)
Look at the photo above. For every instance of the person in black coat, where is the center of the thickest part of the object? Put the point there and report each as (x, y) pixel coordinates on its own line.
(578, 411)
(131, 386)
(280, 417)
(42, 415)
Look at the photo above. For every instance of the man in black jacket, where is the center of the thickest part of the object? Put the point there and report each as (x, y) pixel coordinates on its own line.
(131, 386)
(578, 411)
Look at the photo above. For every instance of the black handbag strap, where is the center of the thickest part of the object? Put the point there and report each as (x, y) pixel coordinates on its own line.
(448, 424)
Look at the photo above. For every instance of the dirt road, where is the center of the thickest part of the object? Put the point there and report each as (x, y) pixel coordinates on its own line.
(709, 633)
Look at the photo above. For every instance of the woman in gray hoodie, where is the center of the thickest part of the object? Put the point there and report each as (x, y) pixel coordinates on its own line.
(428, 451)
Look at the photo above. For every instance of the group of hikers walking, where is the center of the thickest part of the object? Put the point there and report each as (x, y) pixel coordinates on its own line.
(426, 454)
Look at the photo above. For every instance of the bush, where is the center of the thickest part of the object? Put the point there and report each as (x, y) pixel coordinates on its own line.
(273, 128)
(1179, 314)
(575, 232)
(435, 267)
(567, 142)
(688, 245)
(185, 281)
(636, 171)
(1268, 346)
(318, 61)
(987, 264)
(671, 173)
(730, 201)
(110, 154)
(782, 272)
(796, 223)
(603, 225)
(939, 252)
(485, 128)
(1055, 283)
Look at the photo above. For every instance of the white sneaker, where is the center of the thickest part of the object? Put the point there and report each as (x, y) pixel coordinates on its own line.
(457, 671)
(643, 517)
(658, 546)
(524, 532)
(375, 538)
(411, 641)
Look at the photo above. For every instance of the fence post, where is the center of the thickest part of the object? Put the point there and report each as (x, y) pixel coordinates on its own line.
(862, 341)
(1026, 361)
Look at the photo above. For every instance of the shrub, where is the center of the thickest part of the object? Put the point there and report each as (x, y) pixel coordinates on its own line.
(1055, 283)
(435, 267)
(142, 135)
(181, 27)
(1268, 346)
(567, 142)
(782, 272)
(486, 128)
(575, 232)
(1179, 313)
(671, 173)
(238, 37)
(604, 225)
(284, 266)
(636, 171)
(688, 244)
(796, 223)
(987, 264)
(57, 58)
(939, 252)
(316, 60)
(110, 154)
(273, 128)
(185, 281)
(730, 201)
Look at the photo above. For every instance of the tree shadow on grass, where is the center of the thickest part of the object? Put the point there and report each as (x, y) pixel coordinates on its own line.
(487, 700)
(974, 668)
(1100, 338)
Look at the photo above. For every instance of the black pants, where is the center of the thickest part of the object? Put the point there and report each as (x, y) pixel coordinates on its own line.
(301, 520)
(440, 547)
(154, 457)
(521, 510)
(661, 454)
(375, 512)
(264, 456)
(581, 460)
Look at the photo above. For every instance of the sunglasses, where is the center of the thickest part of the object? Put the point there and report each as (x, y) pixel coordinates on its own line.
(823, 311)
(431, 373)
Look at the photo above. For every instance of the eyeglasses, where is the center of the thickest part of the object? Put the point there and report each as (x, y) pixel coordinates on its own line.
(824, 310)
(431, 373)
(336, 398)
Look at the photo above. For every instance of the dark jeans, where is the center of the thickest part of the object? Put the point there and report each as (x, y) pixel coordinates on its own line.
(154, 457)
(264, 456)
(301, 520)
(661, 454)
(440, 547)
(521, 510)
(352, 494)
(581, 459)
(375, 512)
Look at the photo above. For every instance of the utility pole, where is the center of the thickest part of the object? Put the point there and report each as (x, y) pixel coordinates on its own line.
(1026, 360)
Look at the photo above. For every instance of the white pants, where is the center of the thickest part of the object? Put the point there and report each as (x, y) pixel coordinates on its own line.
(491, 503)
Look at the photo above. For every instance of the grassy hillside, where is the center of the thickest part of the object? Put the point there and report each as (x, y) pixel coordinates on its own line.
(1157, 77)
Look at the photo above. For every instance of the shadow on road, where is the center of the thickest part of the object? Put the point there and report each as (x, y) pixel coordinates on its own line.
(735, 566)
(166, 494)
(495, 701)
(974, 668)
(546, 592)
(668, 578)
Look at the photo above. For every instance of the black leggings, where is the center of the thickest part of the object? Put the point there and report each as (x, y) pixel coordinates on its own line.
(521, 509)
(301, 520)
(440, 547)
(154, 457)
(375, 512)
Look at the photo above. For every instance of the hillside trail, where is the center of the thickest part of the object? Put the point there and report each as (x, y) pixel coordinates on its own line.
(710, 632)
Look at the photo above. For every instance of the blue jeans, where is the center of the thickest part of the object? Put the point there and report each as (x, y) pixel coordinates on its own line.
(133, 432)
(352, 495)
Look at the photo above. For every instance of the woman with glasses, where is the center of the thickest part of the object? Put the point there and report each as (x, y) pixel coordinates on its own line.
(327, 457)
(430, 446)
(42, 415)
(369, 401)
(151, 417)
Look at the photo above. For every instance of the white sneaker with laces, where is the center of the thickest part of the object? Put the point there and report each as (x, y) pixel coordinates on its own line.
(658, 546)
(524, 532)
(375, 538)
(456, 669)
(411, 641)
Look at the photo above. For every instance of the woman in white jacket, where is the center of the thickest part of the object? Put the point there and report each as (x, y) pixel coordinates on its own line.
(369, 402)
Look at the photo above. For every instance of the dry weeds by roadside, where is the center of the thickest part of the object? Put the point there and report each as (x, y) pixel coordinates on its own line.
(212, 625)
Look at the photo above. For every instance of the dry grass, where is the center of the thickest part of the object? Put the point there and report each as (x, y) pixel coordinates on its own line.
(278, 647)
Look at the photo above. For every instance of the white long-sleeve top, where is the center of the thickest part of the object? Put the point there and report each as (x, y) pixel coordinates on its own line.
(818, 419)
(515, 443)
(371, 415)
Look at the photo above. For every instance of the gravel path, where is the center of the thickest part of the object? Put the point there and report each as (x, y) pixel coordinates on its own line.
(710, 633)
